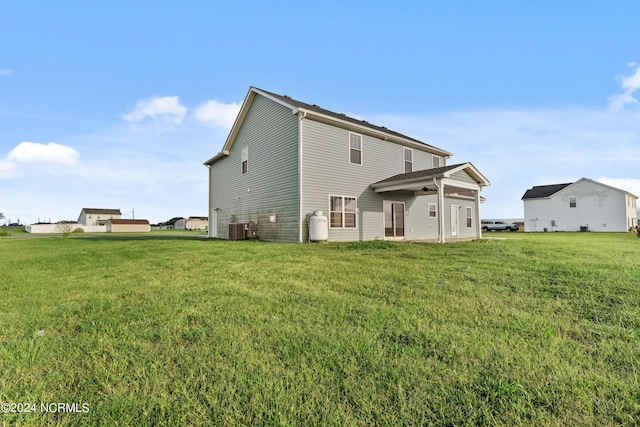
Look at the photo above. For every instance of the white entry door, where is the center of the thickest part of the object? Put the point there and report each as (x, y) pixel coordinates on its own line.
(454, 220)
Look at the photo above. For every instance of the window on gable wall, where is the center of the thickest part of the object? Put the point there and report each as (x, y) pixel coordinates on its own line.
(245, 160)
(436, 162)
(355, 149)
(572, 202)
(408, 160)
(343, 212)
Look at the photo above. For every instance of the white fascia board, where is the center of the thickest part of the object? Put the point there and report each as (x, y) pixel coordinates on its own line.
(293, 108)
(471, 170)
(459, 184)
(215, 158)
(248, 100)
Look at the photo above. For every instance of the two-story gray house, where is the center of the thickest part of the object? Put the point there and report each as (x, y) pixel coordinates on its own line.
(284, 160)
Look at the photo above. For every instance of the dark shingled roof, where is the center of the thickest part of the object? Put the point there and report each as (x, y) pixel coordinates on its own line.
(102, 211)
(341, 116)
(540, 191)
(419, 174)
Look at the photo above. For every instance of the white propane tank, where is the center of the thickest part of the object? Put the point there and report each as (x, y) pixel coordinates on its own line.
(318, 227)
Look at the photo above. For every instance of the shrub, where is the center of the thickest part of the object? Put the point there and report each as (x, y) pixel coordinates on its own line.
(78, 230)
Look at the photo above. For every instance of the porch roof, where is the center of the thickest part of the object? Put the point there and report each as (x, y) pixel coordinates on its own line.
(423, 181)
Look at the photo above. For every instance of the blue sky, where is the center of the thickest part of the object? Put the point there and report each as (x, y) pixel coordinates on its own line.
(117, 104)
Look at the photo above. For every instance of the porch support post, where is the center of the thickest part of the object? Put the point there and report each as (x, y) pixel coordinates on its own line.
(478, 220)
(441, 231)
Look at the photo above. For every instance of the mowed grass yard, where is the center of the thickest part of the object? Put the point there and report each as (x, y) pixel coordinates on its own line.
(168, 329)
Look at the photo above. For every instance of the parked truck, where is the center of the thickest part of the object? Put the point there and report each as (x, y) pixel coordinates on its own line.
(499, 226)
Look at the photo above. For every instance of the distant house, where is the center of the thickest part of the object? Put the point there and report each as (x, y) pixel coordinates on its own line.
(128, 225)
(287, 164)
(584, 205)
(192, 223)
(93, 216)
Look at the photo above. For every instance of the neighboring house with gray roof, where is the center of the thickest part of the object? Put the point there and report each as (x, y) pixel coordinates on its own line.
(584, 205)
(284, 160)
(98, 216)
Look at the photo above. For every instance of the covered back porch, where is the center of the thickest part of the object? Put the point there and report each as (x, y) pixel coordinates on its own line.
(461, 182)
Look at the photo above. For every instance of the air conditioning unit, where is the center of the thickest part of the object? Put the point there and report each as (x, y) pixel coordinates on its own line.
(238, 230)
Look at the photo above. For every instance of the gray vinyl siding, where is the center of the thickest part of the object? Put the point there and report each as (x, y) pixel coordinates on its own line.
(325, 171)
(270, 131)
(463, 231)
(462, 176)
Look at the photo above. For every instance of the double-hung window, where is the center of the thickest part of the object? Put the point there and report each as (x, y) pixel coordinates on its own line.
(572, 202)
(343, 212)
(245, 160)
(355, 149)
(433, 210)
(436, 161)
(408, 160)
(469, 217)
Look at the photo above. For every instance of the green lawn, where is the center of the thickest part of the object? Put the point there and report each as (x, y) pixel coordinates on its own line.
(171, 329)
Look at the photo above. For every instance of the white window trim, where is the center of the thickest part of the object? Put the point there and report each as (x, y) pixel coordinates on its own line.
(343, 227)
(404, 160)
(244, 157)
(433, 158)
(361, 149)
(469, 216)
(435, 210)
(575, 202)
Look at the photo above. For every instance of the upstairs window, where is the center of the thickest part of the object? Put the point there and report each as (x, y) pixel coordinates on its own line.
(572, 202)
(343, 212)
(245, 160)
(408, 160)
(436, 162)
(355, 149)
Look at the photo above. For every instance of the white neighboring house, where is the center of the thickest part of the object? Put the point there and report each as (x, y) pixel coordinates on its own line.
(92, 216)
(584, 205)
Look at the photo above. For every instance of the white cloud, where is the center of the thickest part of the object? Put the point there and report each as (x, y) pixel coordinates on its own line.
(630, 84)
(632, 185)
(164, 109)
(7, 169)
(51, 153)
(5, 72)
(217, 113)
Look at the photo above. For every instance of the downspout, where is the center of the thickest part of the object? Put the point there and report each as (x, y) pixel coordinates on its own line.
(440, 211)
(210, 215)
(478, 218)
(301, 116)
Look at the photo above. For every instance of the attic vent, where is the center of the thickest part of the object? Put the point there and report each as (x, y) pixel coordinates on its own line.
(287, 96)
(316, 106)
(364, 121)
(383, 127)
(343, 114)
